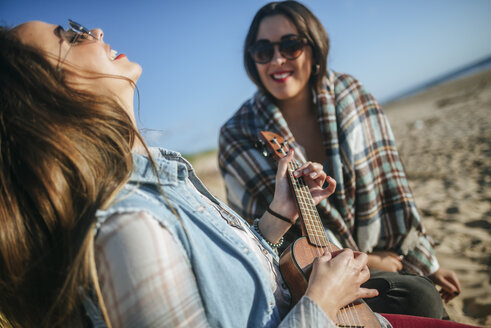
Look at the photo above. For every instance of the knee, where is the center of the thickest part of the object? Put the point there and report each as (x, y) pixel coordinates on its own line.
(423, 299)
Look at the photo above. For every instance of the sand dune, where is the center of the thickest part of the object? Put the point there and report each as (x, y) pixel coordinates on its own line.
(444, 139)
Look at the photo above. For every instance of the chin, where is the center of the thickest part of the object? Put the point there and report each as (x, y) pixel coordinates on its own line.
(134, 72)
(281, 95)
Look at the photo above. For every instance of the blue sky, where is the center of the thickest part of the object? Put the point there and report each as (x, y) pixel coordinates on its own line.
(191, 51)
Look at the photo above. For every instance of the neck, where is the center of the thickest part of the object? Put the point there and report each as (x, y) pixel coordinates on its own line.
(297, 107)
(126, 100)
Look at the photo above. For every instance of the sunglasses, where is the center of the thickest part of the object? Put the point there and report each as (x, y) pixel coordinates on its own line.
(262, 51)
(74, 34)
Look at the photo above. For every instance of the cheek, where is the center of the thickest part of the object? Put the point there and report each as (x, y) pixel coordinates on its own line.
(262, 72)
(95, 58)
(307, 69)
(307, 62)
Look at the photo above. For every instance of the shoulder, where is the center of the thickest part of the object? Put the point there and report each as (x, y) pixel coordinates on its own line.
(138, 200)
(342, 82)
(348, 91)
(127, 226)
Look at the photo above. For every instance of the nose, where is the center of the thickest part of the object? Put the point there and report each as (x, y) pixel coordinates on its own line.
(98, 33)
(277, 56)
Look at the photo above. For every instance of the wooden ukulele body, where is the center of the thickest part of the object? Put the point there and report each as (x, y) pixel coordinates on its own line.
(296, 266)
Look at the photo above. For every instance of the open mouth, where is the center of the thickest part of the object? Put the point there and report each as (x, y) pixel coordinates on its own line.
(281, 76)
(113, 54)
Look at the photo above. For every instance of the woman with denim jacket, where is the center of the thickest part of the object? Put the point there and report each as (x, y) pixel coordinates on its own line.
(163, 251)
(98, 230)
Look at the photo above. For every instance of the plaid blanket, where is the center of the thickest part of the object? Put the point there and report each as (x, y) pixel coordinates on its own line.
(372, 207)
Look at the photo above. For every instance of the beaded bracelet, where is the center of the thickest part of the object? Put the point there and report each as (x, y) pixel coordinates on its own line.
(272, 245)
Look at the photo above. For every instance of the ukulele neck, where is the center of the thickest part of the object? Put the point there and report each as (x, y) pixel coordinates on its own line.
(309, 215)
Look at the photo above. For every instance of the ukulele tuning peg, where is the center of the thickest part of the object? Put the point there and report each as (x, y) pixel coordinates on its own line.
(259, 145)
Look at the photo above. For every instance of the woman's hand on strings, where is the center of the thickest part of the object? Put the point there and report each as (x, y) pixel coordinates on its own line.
(315, 178)
(336, 278)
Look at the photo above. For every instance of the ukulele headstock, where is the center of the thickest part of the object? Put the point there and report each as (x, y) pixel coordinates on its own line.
(274, 143)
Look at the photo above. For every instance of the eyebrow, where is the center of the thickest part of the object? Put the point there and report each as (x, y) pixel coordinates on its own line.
(283, 37)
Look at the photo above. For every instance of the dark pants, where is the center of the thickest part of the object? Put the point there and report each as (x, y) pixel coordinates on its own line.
(404, 293)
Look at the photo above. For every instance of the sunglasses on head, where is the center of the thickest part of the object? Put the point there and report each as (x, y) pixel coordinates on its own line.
(262, 51)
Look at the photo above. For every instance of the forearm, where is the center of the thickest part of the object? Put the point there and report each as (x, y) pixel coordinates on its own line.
(272, 228)
(306, 313)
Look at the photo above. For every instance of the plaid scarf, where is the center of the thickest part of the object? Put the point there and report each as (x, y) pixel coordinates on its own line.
(372, 207)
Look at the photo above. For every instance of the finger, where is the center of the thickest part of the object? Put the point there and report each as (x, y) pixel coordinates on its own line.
(325, 257)
(302, 168)
(447, 286)
(367, 293)
(398, 264)
(450, 297)
(347, 252)
(446, 296)
(345, 256)
(283, 164)
(364, 275)
(361, 258)
(318, 177)
(394, 255)
(336, 252)
(360, 261)
(313, 172)
(332, 184)
(308, 167)
(320, 194)
(455, 281)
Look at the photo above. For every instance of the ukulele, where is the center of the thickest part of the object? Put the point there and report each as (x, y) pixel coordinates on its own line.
(296, 261)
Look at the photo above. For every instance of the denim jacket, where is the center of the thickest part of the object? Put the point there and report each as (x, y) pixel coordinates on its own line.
(233, 285)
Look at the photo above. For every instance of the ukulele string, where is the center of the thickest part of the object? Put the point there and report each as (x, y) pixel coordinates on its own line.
(321, 239)
(312, 218)
(302, 192)
(304, 198)
(296, 184)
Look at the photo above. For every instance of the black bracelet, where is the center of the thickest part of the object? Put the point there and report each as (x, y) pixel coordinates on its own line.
(272, 245)
(279, 216)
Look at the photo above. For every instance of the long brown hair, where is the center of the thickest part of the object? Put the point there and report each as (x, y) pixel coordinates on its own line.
(63, 154)
(307, 26)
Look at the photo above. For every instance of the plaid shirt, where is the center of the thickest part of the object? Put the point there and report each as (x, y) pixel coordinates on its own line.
(372, 207)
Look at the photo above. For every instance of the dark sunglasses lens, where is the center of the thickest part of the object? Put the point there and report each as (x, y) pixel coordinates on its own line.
(291, 49)
(76, 26)
(262, 52)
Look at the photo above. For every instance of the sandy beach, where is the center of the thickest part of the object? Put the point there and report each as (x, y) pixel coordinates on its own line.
(444, 138)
